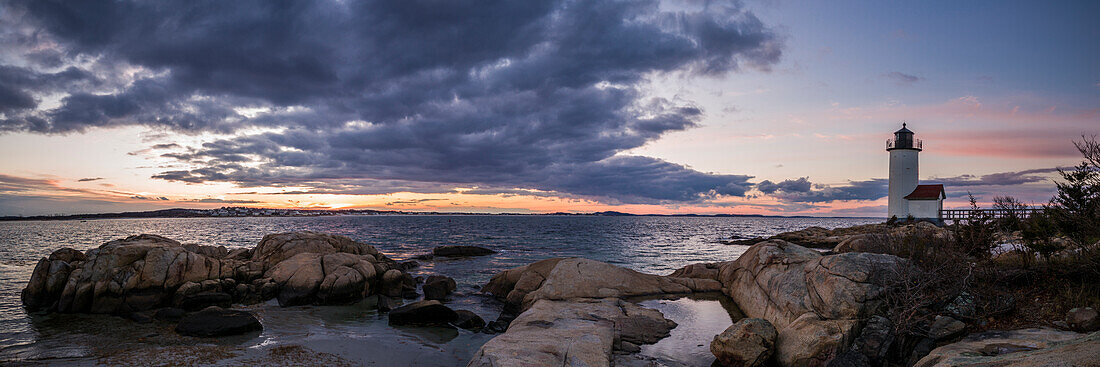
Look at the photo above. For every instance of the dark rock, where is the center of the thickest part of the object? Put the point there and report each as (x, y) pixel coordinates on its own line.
(423, 257)
(169, 314)
(386, 304)
(1083, 319)
(922, 348)
(699, 271)
(343, 285)
(228, 284)
(468, 320)
(294, 297)
(268, 290)
(748, 342)
(239, 254)
(242, 290)
(438, 287)
(743, 242)
(628, 347)
(204, 299)
(1062, 325)
(962, 307)
(103, 279)
(408, 265)
(68, 255)
(250, 271)
(422, 313)
(496, 327)
(461, 251)
(216, 321)
(997, 349)
(35, 296)
(875, 340)
(143, 317)
(849, 358)
(396, 283)
(215, 252)
(145, 299)
(945, 327)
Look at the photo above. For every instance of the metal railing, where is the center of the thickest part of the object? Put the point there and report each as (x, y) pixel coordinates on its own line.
(967, 214)
(916, 144)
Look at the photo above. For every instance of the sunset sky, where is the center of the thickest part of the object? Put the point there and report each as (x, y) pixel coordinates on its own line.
(757, 107)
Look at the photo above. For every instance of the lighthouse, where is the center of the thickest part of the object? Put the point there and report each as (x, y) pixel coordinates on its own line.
(903, 150)
(908, 199)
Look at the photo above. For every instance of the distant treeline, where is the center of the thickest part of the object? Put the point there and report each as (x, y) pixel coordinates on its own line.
(214, 213)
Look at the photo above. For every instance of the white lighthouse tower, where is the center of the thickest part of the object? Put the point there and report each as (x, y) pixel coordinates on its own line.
(903, 171)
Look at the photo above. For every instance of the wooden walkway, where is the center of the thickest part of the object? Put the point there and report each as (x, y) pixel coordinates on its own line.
(965, 214)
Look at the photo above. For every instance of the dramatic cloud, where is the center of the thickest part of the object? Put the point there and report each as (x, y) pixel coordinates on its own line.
(804, 191)
(19, 86)
(999, 179)
(501, 95)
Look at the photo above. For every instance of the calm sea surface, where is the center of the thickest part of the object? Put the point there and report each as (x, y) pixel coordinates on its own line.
(655, 245)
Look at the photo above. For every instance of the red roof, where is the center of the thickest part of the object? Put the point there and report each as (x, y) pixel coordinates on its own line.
(927, 192)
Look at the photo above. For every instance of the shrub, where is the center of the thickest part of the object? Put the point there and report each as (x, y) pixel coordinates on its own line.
(1075, 209)
(1038, 232)
(975, 235)
(1012, 209)
(940, 270)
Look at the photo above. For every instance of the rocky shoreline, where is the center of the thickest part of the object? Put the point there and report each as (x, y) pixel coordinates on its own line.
(805, 307)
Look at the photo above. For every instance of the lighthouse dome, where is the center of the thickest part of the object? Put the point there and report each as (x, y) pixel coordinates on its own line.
(903, 130)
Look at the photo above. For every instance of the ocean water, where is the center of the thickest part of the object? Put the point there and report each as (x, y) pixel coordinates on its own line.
(355, 334)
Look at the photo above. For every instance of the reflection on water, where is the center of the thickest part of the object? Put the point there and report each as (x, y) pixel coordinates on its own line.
(656, 245)
(699, 318)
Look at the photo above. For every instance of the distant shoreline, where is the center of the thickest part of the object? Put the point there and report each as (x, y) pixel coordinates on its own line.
(238, 212)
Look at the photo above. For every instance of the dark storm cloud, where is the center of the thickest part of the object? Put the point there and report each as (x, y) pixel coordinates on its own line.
(999, 179)
(767, 186)
(803, 191)
(429, 95)
(19, 86)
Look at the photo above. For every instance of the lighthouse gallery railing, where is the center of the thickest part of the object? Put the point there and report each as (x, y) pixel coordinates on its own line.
(891, 144)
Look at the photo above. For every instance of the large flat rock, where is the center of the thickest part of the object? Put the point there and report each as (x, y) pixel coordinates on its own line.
(1020, 348)
(581, 332)
(575, 278)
